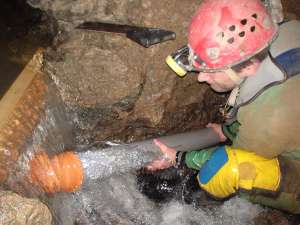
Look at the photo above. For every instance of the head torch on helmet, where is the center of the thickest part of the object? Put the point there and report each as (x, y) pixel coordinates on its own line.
(235, 31)
(182, 61)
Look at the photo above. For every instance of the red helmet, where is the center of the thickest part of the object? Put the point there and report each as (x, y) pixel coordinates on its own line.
(224, 33)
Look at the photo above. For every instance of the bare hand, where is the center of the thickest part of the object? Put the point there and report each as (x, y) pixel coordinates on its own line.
(217, 128)
(163, 162)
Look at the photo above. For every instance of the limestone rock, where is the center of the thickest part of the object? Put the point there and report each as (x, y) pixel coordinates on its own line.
(115, 88)
(17, 210)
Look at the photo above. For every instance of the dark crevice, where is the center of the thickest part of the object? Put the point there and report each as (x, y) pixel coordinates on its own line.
(23, 30)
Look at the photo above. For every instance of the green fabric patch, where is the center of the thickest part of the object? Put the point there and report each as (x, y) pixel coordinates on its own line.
(231, 130)
(196, 159)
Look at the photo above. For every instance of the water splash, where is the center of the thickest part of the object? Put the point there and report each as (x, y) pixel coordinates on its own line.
(103, 163)
(52, 134)
(117, 200)
(111, 195)
(233, 212)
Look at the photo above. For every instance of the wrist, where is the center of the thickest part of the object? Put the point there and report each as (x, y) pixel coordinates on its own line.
(222, 137)
(180, 158)
(218, 130)
(170, 158)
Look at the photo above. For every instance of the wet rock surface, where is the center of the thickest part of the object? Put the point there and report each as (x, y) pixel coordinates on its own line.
(273, 217)
(115, 88)
(17, 210)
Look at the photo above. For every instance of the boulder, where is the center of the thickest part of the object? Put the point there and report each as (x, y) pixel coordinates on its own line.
(115, 88)
(18, 210)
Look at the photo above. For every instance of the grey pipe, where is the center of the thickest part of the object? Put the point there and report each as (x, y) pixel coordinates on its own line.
(193, 140)
(102, 163)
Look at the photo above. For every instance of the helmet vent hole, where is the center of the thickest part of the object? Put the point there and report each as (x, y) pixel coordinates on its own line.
(244, 21)
(230, 40)
(232, 28)
(242, 34)
(252, 29)
(254, 16)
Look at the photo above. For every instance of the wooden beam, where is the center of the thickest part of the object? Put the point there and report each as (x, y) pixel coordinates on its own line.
(18, 88)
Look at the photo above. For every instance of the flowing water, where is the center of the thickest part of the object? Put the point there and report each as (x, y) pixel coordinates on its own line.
(103, 163)
(117, 200)
(113, 194)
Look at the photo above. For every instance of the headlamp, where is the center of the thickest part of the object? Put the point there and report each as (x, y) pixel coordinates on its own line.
(181, 61)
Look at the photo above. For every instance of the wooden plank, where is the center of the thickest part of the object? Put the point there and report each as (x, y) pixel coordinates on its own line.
(18, 88)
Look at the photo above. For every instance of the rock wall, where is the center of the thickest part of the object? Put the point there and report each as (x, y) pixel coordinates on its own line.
(291, 8)
(115, 88)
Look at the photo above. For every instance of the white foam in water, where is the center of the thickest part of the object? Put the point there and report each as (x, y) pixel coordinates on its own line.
(117, 200)
(233, 212)
(110, 195)
(240, 209)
